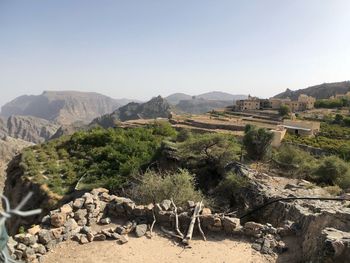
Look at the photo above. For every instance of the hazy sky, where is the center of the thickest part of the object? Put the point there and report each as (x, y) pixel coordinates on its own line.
(138, 49)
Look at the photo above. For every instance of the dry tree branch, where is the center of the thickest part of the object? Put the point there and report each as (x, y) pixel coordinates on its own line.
(186, 240)
(176, 220)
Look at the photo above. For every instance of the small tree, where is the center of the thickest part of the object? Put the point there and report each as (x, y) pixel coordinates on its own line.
(155, 187)
(212, 149)
(284, 110)
(257, 142)
(206, 155)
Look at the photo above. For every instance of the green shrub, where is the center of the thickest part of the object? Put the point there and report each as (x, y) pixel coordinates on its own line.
(184, 135)
(284, 110)
(294, 161)
(228, 187)
(257, 142)
(333, 171)
(163, 128)
(155, 187)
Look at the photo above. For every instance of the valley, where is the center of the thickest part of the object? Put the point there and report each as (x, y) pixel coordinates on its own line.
(128, 163)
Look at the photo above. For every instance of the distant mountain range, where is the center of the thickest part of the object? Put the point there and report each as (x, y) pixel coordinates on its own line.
(63, 107)
(214, 95)
(322, 91)
(203, 102)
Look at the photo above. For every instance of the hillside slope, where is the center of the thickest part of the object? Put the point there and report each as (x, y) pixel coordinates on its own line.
(199, 106)
(157, 107)
(64, 107)
(221, 96)
(322, 91)
(177, 97)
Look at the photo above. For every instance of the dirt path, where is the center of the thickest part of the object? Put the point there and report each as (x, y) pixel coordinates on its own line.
(157, 249)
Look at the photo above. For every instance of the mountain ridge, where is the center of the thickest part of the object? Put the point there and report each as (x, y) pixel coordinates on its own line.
(320, 91)
(63, 107)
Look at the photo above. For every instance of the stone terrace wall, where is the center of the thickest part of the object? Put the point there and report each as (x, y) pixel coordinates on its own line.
(74, 221)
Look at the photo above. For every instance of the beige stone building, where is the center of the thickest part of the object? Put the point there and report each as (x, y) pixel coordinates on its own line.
(252, 103)
(303, 103)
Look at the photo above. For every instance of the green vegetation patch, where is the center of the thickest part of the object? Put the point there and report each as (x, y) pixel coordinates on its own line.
(98, 157)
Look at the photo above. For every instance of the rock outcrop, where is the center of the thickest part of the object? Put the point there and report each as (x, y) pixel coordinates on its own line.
(308, 219)
(30, 128)
(155, 108)
(63, 107)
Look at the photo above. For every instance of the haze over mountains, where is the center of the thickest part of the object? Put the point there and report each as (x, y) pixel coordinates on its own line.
(214, 95)
(37, 118)
(203, 102)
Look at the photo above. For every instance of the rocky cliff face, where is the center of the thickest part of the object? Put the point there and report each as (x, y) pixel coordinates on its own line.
(30, 128)
(64, 107)
(155, 108)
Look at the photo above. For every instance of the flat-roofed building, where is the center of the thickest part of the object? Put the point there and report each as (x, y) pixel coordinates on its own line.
(303, 103)
(303, 128)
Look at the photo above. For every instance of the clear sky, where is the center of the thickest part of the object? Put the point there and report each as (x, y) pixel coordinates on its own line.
(142, 48)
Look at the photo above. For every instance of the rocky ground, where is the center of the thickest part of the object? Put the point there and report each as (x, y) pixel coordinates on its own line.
(288, 230)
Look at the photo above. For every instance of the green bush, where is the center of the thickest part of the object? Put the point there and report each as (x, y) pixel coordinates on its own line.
(184, 135)
(257, 142)
(284, 110)
(295, 162)
(333, 171)
(155, 187)
(227, 189)
(163, 128)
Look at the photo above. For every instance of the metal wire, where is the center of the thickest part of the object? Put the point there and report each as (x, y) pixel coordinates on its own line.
(7, 214)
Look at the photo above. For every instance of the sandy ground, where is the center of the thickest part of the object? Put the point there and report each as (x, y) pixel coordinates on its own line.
(158, 249)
